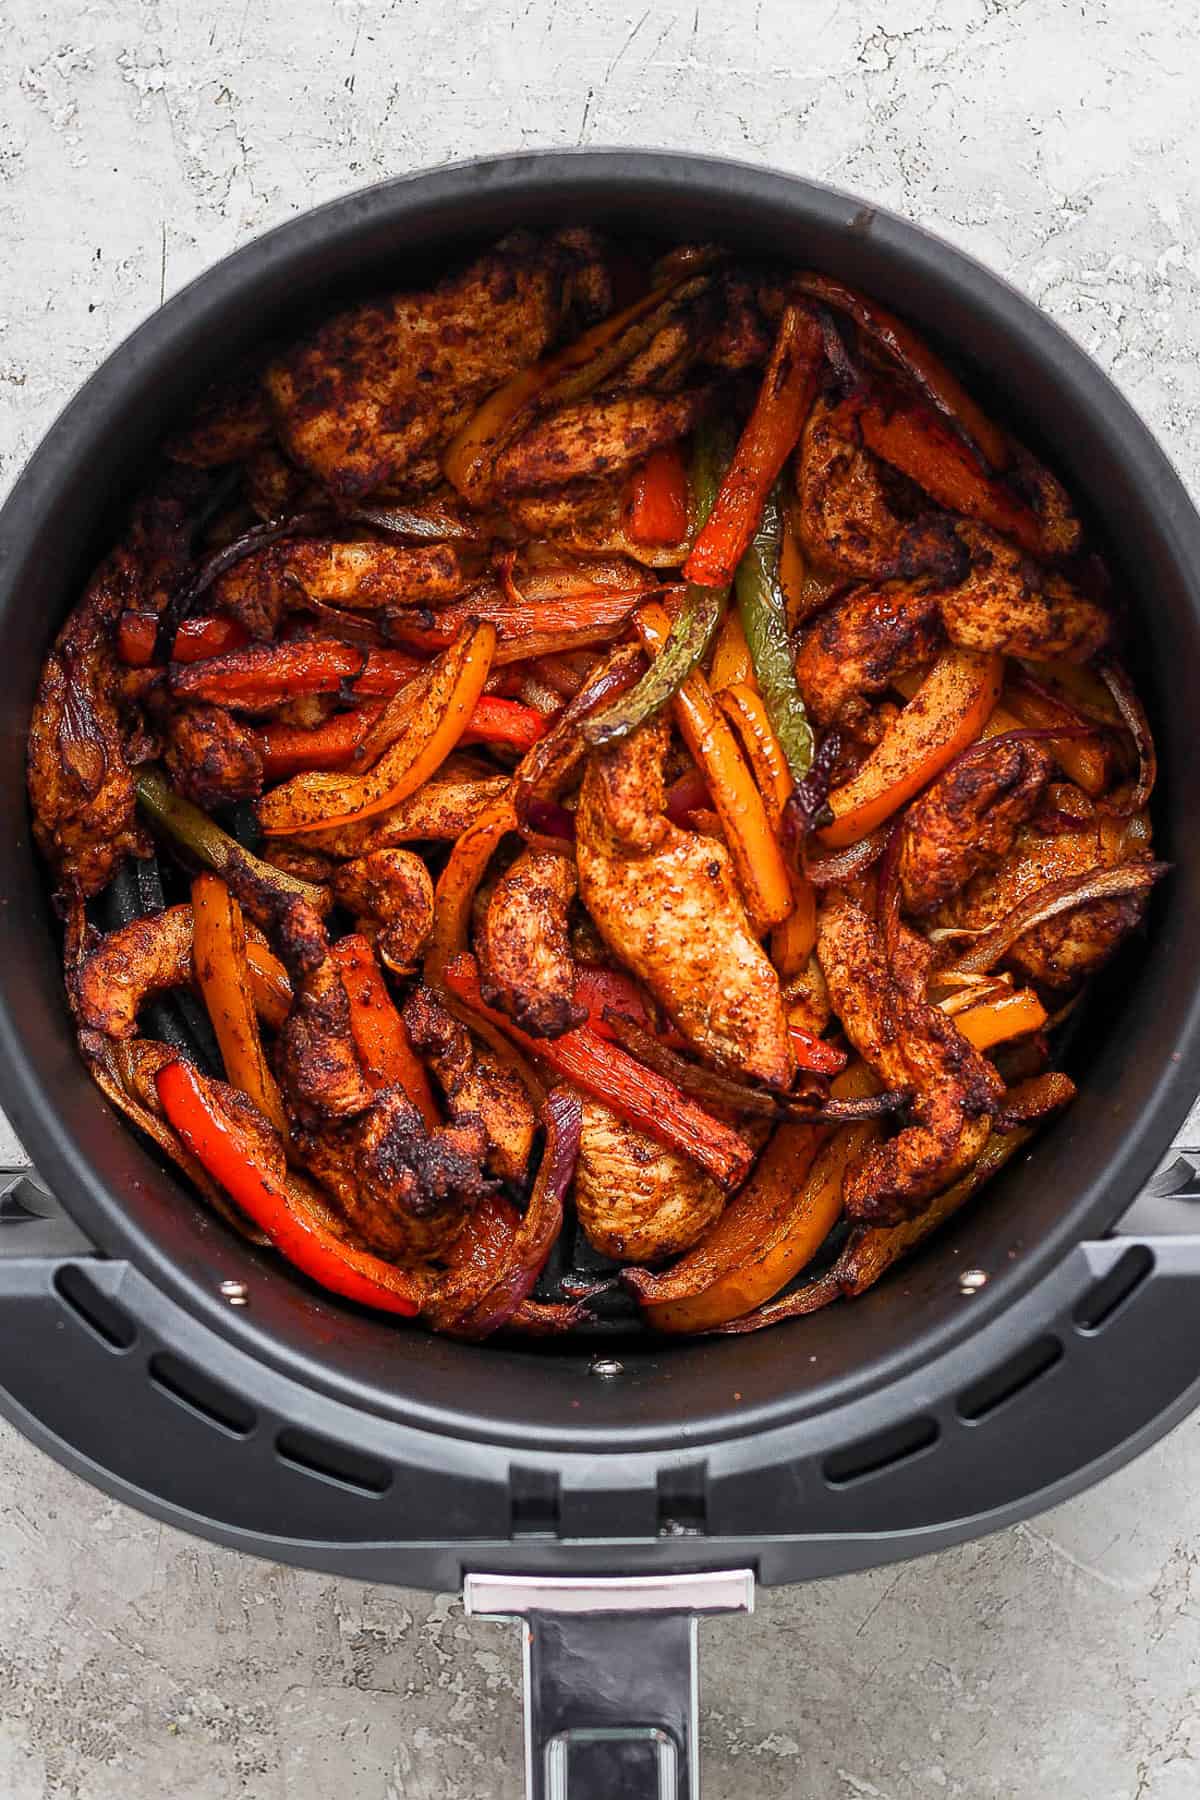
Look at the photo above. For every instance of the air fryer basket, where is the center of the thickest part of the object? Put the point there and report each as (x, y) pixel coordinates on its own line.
(153, 1351)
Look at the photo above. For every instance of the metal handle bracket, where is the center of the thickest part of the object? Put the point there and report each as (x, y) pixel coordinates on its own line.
(611, 1693)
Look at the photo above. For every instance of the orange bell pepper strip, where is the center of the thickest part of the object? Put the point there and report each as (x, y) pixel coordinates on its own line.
(814, 1053)
(791, 942)
(223, 975)
(770, 435)
(1006, 1016)
(768, 1232)
(1085, 760)
(948, 712)
(647, 1099)
(456, 885)
(731, 654)
(267, 675)
(758, 861)
(907, 349)
(298, 1235)
(269, 983)
(381, 1038)
(454, 685)
(919, 441)
(658, 506)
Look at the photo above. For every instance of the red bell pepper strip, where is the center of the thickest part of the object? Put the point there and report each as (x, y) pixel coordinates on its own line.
(214, 1141)
(290, 749)
(601, 990)
(814, 1053)
(639, 1094)
(137, 635)
(381, 1037)
(658, 508)
(496, 720)
(267, 675)
(770, 435)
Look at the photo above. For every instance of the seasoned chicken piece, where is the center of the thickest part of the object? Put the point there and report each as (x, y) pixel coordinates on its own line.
(85, 817)
(637, 1200)
(318, 1065)
(525, 964)
(439, 811)
(371, 396)
(262, 587)
(390, 892)
(967, 819)
(211, 756)
(1062, 953)
(475, 1084)
(1007, 602)
(666, 903)
(595, 438)
(588, 516)
(129, 964)
(907, 1044)
(405, 1192)
(230, 422)
(806, 998)
(275, 487)
(846, 522)
(859, 643)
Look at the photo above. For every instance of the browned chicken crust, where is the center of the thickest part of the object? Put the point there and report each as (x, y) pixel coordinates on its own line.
(525, 964)
(595, 438)
(1008, 602)
(857, 646)
(211, 757)
(475, 1085)
(636, 1199)
(390, 892)
(261, 588)
(666, 902)
(966, 821)
(381, 388)
(909, 1044)
(142, 958)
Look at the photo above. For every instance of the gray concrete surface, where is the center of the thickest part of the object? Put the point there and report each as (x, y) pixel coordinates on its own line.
(138, 142)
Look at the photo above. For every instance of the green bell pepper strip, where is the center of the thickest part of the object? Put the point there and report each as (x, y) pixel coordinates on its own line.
(694, 625)
(763, 608)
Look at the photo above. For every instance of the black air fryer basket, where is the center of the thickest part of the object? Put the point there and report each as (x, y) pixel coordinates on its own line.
(1040, 1340)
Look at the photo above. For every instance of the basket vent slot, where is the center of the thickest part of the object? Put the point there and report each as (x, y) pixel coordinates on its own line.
(536, 1502)
(883, 1450)
(102, 1316)
(1009, 1379)
(327, 1461)
(1104, 1300)
(682, 1502)
(208, 1399)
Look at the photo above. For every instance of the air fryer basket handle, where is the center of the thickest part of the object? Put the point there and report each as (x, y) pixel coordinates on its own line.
(610, 1677)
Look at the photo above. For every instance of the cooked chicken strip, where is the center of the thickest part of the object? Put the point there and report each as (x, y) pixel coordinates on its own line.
(596, 437)
(1065, 951)
(405, 1192)
(318, 1065)
(212, 757)
(907, 1044)
(637, 1200)
(230, 422)
(365, 400)
(475, 1084)
(967, 820)
(390, 893)
(262, 587)
(666, 903)
(845, 520)
(858, 644)
(145, 957)
(439, 811)
(1008, 602)
(525, 964)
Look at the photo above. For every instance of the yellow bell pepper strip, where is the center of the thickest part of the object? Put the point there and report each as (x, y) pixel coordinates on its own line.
(762, 608)
(647, 1099)
(1006, 1016)
(381, 1038)
(454, 684)
(768, 1232)
(757, 859)
(948, 712)
(261, 888)
(470, 458)
(223, 975)
(691, 630)
(1087, 760)
(770, 435)
(213, 1139)
(917, 359)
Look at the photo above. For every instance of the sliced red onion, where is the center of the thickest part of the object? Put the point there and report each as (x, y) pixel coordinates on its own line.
(1048, 902)
(431, 523)
(854, 860)
(1138, 726)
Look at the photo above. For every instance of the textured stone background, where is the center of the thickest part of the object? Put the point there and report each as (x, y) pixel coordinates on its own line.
(1057, 141)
